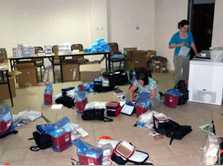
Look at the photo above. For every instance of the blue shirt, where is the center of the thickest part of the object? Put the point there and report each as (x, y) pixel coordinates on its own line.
(152, 85)
(176, 39)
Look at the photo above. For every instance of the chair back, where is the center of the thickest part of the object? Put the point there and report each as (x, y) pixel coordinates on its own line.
(3, 55)
(37, 49)
(55, 49)
(77, 47)
(114, 47)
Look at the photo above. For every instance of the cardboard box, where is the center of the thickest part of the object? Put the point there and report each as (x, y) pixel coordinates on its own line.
(139, 58)
(89, 72)
(88, 76)
(5, 91)
(71, 72)
(28, 76)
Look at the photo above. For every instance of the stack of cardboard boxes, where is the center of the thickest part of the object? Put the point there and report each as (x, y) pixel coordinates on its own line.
(139, 58)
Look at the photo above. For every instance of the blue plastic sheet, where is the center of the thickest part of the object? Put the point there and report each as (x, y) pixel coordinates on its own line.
(100, 45)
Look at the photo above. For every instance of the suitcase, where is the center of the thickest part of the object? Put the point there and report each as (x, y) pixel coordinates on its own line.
(113, 108)
(171, 100)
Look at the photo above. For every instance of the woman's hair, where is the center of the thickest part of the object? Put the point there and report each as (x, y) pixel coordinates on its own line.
(143, 74)
(182, 23)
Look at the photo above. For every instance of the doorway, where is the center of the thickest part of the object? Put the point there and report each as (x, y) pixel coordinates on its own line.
(201, 17)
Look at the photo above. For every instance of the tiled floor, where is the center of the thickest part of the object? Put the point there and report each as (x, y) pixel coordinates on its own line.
(15, 148)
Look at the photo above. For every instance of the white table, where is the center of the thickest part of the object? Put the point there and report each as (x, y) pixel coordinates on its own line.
(206, 81)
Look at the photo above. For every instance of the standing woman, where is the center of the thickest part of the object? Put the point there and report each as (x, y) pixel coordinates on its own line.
(182, 41)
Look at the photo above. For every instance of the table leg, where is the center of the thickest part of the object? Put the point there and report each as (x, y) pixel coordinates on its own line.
(9, 88)
(61, 68)
(53, 67)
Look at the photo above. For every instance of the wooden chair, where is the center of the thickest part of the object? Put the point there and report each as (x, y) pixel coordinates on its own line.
(79, 60)
(39, 62)
(55, 50)
(3, 55)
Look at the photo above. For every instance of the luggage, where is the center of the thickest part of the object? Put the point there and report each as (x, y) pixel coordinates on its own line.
(171, 97)
(6, 122)
(113, 108)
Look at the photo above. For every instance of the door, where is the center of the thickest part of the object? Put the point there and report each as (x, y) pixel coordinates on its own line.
(201, 16)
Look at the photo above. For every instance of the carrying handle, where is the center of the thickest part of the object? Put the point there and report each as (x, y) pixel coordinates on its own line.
(34, 148)
(107, 119)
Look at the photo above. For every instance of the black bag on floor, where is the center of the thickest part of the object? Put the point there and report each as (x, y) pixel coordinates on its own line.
(66, 101)
(119, 77)
(43, 141)
(100, 86)
(171, 129)
(182, 87)
(95, 114)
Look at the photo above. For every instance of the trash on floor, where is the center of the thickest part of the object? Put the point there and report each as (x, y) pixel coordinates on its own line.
(25, 117)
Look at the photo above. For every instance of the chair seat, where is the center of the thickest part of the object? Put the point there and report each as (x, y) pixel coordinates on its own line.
(117, 57)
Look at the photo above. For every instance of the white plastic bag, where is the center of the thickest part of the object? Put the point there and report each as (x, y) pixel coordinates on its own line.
(211, 149)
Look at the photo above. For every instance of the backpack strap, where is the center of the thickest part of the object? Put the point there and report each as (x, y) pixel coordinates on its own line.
(107, 119)
(34, 148)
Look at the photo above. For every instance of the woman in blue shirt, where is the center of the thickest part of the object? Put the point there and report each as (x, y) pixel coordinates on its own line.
(182, 41)
(145, 83)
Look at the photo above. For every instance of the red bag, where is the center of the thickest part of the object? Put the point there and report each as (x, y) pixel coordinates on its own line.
(48, 99)
(113, 108)
(80, 105)
(140, 110)
(61, 142)
(171, 100)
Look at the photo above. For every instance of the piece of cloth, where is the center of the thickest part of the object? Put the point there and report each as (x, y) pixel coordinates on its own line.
(176, 39)
(181, 65)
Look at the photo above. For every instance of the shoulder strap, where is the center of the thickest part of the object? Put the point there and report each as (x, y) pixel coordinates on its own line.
(34, 148)
(107, 119)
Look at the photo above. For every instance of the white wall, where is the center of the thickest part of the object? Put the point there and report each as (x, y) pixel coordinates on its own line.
(40, 22)
(168, 14)
(99, 20)
(217, 38)
(131, 23)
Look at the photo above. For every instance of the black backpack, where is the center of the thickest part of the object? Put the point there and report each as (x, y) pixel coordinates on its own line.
(95, 114)
(182, 87)
(43, 141)
(171, 129)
